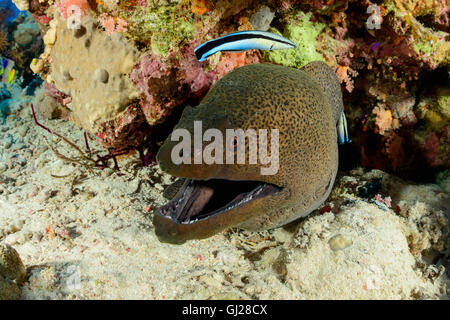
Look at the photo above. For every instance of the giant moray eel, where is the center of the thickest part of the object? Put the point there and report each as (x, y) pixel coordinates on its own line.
(305, 105)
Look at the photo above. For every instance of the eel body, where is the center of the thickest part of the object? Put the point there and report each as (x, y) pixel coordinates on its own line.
(303, 105)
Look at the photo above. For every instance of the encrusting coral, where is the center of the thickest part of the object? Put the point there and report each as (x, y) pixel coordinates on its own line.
(303, 33)
(104, 91)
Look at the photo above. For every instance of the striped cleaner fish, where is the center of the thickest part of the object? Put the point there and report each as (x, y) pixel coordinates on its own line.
(342, 130)
(242, 41)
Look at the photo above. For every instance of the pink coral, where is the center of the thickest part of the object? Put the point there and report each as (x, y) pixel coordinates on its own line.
(121, 25)
(442, 16)
(166, 83)
(155, 81)
(64, 5)
(112, 24)
(191, 72)
(233, 60)
(43, 19)
(384, 120)
(128, 129)
(344, 73)
(52, 91)
(107, 23)
(386, 201)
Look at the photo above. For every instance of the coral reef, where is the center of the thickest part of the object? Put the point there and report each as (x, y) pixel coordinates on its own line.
(127, 70)
(412, 50)
(162, 27)
(26, 32)
(166, 78)
(20, 40)
(395, 114)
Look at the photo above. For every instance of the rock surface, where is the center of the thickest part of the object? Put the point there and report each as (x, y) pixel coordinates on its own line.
(12, 273)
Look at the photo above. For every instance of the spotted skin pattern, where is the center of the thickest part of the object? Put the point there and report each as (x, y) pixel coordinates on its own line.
(327, 79)
(304, 105)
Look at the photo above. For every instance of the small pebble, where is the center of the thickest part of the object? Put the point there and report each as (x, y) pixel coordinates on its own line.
(37, 237)
(106, 172)
(15, 238)
(339, 242)
(261, 19)
(23, 131)
(7, 143)
(18, 146)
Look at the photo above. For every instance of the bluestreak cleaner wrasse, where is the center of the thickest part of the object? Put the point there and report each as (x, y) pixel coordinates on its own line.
(242, 41)
(342, 130)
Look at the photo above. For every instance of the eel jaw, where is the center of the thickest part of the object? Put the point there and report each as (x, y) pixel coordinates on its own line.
(202, 208)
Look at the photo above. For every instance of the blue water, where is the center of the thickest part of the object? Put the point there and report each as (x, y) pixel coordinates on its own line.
(9, 7)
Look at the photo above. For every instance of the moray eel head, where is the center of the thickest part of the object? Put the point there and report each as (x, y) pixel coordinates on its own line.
(216, 196)
(213, 197)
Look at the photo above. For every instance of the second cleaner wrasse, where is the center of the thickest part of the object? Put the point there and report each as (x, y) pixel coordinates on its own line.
(241, 41)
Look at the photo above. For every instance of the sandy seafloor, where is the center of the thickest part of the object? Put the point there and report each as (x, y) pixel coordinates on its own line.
(100, 224)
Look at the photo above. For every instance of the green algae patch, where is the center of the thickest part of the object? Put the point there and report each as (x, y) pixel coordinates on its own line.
(443, 102)
(161, 26)
(435, 111)
(425, 47)
(443, 180)
(438, 113)
(303, 33)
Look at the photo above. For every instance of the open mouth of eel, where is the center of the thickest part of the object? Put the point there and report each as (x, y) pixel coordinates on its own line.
(201, 199)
